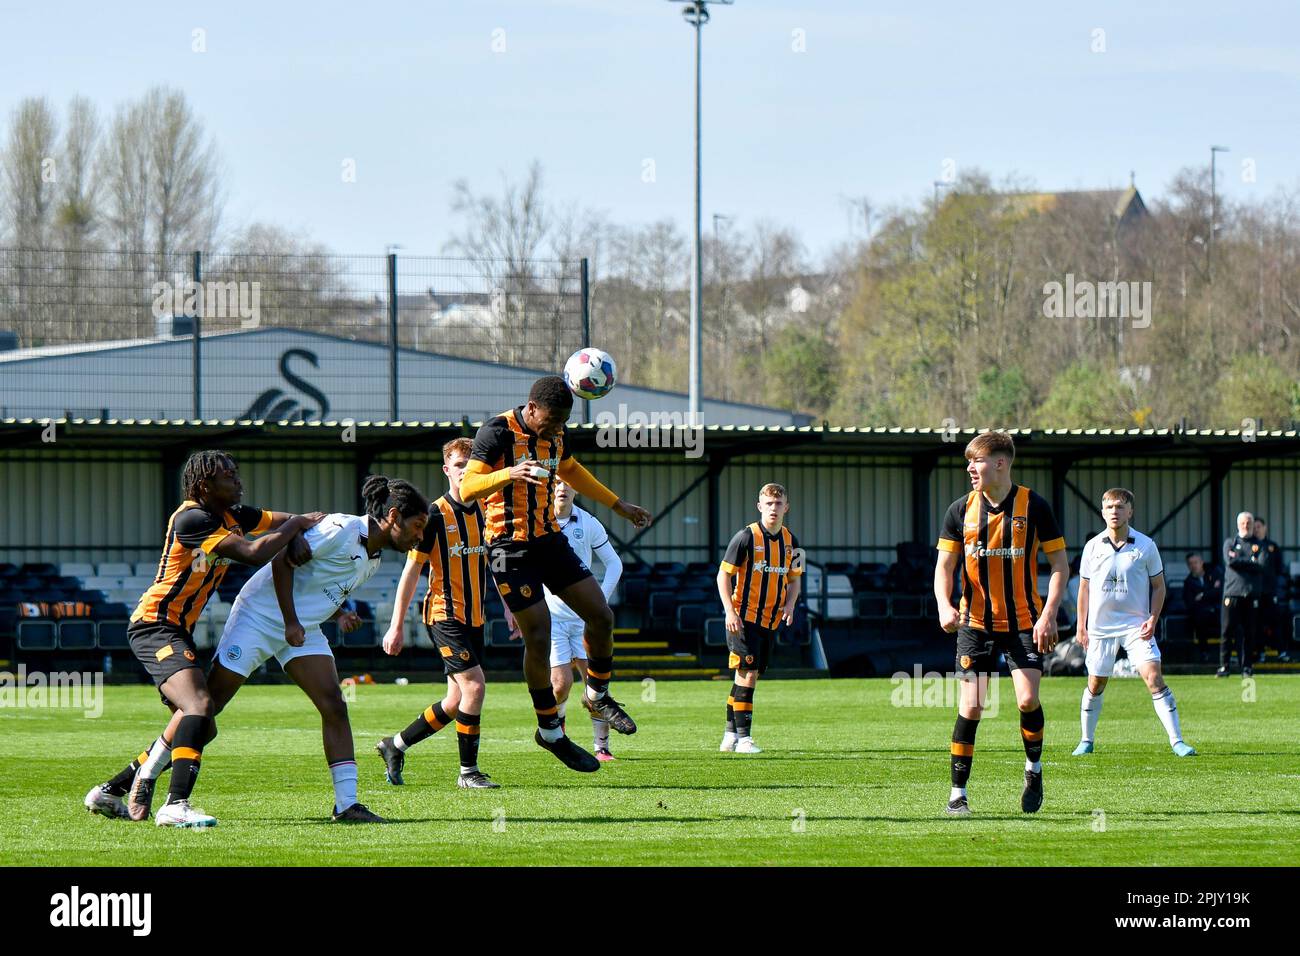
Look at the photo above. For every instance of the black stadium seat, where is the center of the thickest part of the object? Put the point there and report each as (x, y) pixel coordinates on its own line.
(38, 634)
(40, 569)
(77, 634)
(111, 635)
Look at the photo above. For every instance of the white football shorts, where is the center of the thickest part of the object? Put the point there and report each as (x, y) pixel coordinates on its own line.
(250, 640)
(566, 641)
(1103, 650)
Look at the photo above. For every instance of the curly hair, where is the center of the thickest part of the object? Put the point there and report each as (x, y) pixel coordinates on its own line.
(381, 493)
(204, 466)
(550, 392)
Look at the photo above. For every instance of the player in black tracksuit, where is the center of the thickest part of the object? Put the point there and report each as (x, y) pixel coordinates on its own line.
(1243, 582)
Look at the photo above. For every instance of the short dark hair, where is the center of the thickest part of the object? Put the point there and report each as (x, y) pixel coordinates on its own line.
(203, 466)
(1261, 519)
(1193, 554)
(551, 393)
(381, 493)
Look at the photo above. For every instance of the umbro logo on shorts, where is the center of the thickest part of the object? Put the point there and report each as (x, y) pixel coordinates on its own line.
(234, 654)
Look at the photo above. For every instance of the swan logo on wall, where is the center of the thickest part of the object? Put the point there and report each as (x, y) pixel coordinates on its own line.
(275, 404)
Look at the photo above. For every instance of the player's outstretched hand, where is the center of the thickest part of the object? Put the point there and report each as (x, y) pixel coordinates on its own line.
(523, 471)
(733, 622)
(393, 641)
(949, 619)
(311, 519)
(1045, 633)
(639, 517)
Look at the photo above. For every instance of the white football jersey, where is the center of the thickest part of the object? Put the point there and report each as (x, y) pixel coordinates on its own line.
(586, 535)
(1119, 582)
(339, 565)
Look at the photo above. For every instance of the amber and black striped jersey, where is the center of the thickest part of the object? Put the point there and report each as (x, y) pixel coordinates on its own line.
(454, 546)
(189, 572)
(1000, 544)
(763, 564)
(521, 511)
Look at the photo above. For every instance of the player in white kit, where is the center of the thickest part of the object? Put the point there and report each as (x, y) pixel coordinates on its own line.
(588, 537)
(280, 609)
(1121, 594)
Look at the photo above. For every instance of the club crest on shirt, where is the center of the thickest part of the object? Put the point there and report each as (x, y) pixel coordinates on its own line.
(1019, 523)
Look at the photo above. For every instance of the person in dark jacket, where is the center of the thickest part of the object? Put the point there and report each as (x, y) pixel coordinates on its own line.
(1202, 591)
(1270, 630)
(1243, 582)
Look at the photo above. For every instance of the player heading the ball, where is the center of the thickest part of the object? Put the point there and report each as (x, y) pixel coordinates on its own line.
(528, 553)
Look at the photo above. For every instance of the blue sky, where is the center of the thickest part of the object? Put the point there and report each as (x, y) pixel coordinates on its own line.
(881, 95)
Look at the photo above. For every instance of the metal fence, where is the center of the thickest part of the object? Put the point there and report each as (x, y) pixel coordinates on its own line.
(225, 335)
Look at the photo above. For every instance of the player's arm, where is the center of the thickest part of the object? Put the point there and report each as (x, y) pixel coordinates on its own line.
(264, 548)
(944, 569)
(1081, 609)
(298, 549)
(613, 565)
(735, 558)
(490, 445)
(406, 587)
(1045, 627)
(282, 578)
(796, 582)
(950, 551)
(1238, 559)
(584, 482)
(1148, 629)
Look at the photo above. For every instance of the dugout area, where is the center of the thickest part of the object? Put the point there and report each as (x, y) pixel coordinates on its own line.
(86, 502)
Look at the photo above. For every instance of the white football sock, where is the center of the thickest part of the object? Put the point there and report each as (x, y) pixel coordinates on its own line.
(559, 709)
(1035, 766)
(159, 754)
(1089, 714)
(551, 734)
(955, 793)
(1167, 711)
(465, 770)
(591, 693)
(344, 775)
(399, 743)
(600, 733)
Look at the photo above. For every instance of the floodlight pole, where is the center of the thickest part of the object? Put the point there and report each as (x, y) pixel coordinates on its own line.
(696, 13)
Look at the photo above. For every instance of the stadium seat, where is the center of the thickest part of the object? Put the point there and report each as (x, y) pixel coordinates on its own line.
(364, 636)
(331, 631)
(635, 592)
(872, 607)
(8, 618)
(907, 607)
(669, 569)
(136, 583)
(7, 570)
(38, 634)
(77, 634)
(113, 569)
(90, 597)
(111, 635)
(715, 632)
(39, 569)
(77, 569)
(663, 609)
(691, 617)
(838, 585)
(101, 582)
(698, 569)
(146, 569)
(498, 634)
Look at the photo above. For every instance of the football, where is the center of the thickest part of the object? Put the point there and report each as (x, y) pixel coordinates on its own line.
(590, 373)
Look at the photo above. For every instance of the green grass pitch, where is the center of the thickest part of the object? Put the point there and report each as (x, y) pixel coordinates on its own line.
(847, 777)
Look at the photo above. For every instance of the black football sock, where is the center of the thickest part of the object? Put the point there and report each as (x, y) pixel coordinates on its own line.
(599, 670)
(742, 706)
(187, 752)
(467, 740)
(427, 724)
(963, 749)
(548, 712)
(1031, 730)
